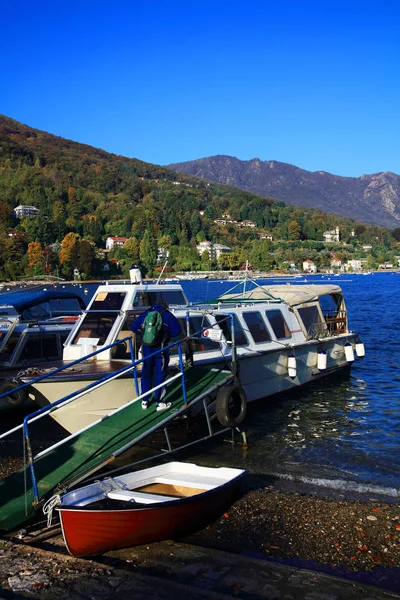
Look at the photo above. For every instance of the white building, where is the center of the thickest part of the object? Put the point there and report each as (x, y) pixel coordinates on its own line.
(205, 246)
(112, 242)
(353, 265)
(26, 211)
(214, 250)
(309, 266)
(332, 236)
(220, 249)
(336, 263)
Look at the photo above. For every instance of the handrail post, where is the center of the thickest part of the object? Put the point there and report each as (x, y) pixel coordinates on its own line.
(131, 349)
(235, 366)
(30, 459)
(189, 345)
(181, 366)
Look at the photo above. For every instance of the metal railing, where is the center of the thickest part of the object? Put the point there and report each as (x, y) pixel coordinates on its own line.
(46, 410)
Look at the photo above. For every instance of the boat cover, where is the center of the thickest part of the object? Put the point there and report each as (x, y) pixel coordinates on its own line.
(28, 298)
(291, 294)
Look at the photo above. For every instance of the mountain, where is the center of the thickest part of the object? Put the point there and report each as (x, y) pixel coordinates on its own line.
(373, 199)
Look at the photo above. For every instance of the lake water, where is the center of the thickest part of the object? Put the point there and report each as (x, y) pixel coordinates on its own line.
(343, 432)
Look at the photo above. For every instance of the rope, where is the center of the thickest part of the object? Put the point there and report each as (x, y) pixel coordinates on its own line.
(49, 506)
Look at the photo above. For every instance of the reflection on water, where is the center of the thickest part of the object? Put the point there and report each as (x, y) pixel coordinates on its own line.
(341, 432)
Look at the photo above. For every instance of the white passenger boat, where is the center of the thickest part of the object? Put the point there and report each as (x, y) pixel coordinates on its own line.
(34, 324)
(280, 336)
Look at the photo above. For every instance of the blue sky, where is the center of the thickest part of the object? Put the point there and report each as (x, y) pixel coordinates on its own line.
(314, 83)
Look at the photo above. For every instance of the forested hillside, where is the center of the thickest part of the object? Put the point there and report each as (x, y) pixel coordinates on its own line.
(373, 199)
(84, 195)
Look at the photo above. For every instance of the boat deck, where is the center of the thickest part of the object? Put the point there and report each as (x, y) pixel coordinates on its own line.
(93, 448)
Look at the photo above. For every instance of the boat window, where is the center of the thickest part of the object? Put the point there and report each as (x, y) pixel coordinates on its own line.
(96, 325)
(225, 324)
(330, 302)
(39, 346)
(311, 318)
(8, 349)
(200, 342)
(122, 350)
(65, 306)
(108, 301)
(257, 326)
(278, 324)
(171, 297)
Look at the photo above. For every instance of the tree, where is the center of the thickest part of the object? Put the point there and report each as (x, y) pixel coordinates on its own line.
(294, 230)
(67, 252)
(82, 256)
(35, 255)
(148, 250)
(132, 249)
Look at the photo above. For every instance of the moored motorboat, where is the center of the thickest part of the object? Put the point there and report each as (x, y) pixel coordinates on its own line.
(154, 504)
(279, 337)
(34, 325)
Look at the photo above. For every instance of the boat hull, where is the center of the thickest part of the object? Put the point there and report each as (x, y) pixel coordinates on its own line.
(87, 531)
(262, 374)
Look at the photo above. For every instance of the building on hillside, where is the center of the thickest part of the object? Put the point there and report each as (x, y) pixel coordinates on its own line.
(220, 249)
(265, 236)
(353, 265)
(336, 263)
(332, 236)
(386, 266)
(112, 242)
(162, 255)
(367, 247)
(214, 250)
(247, 223)
(205, 246)
(309, 266)
(26, 211)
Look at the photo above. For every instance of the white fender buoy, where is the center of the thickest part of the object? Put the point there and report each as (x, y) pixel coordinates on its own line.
(321, 360)
(360, 350)
(292, 367)
(349, 352)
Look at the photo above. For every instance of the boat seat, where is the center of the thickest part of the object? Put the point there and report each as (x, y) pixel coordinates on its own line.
(141, 497)
(200, 482)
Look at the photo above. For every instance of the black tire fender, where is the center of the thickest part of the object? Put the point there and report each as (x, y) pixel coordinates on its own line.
(231, 405)
(13, 399)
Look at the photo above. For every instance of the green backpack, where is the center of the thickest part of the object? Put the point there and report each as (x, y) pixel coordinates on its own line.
(152, 329)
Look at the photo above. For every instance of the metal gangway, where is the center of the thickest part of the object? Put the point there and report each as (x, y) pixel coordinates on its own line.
(77, 456)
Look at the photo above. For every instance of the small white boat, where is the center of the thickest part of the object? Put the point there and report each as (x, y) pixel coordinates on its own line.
(153, 504)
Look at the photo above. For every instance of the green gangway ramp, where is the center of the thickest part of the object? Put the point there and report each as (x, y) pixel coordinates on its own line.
(91, 449)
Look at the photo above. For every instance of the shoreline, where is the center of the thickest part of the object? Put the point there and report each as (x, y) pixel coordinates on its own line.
(357, 541)
(340, 535)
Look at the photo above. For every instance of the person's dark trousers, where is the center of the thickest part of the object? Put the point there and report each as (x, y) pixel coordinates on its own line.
(153, 367)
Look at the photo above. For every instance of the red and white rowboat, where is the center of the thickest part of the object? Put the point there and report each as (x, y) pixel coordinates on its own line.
(153, 504)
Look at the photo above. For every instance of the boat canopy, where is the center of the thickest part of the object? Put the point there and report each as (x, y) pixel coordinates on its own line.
(22, 301)
(293, 295)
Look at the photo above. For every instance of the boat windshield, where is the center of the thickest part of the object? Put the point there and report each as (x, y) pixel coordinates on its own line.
(108, 301)
(171, 297)
(96, 325)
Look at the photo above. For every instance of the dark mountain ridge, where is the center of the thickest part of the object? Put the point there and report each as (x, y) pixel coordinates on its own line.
(373, 199)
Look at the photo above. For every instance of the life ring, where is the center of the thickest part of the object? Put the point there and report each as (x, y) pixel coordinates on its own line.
(231, 405)
(14, 399)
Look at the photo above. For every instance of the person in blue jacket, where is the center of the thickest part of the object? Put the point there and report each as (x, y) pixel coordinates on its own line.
(154, 368)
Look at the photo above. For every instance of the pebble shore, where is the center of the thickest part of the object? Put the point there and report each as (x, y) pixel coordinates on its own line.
(358, 540)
